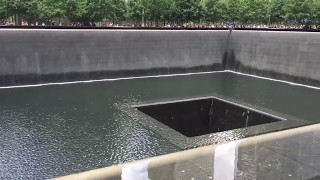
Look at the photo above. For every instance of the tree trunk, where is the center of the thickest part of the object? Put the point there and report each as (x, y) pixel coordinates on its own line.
(15, 19)
(19, 19)
(142, 21)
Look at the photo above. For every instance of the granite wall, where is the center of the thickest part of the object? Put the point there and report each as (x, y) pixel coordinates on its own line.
(29, 56)
(293, 56)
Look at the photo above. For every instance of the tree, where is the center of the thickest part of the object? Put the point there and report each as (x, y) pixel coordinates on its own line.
(190, 10)
(18, 8)
(21, 9)
(221, 10)
(31, 10)
(116, 10)
(253, 11)
(159, 10)
(3, 11)
(97, 10)
(155, 9)
(169, 13)
(298, 11)
(316, 11)
(77, 11)
(72, 10)
(137, 10)
(228, 10)
(211, 10)
(276, 11)
(179, 11)
(50, 9)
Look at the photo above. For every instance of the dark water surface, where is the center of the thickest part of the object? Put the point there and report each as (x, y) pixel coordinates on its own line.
(58, 130)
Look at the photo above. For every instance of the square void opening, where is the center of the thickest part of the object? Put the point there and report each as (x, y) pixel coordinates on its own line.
(199, 117)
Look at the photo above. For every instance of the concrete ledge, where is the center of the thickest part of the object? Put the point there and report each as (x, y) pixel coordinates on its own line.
(162, 165)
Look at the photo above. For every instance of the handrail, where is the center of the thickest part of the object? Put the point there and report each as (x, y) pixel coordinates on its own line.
(114, 172)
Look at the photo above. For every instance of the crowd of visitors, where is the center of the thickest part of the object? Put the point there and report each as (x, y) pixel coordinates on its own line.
(168, 25)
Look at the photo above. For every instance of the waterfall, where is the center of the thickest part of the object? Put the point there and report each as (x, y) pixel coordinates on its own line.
(211, 115)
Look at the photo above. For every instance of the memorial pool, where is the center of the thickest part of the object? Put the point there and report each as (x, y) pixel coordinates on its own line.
(55, 130)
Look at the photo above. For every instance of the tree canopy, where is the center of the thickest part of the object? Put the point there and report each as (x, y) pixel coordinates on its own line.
(173, 11)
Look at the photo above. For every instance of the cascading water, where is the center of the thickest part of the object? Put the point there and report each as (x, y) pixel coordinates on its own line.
(211, 115)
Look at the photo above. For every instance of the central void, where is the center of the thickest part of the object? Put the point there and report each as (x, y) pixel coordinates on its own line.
(205, 116)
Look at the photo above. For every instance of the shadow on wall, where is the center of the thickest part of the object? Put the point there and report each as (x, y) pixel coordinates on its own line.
(290, 56)
(229, 60)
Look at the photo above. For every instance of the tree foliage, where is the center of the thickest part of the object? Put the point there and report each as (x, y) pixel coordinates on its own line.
(316, 10)
(298, 11)
(50, 9)
(211, 10)
(116, 11)
(253, 11)
(136, 9)
(173, 11)
(276, 11)
(3, 12)
(189, 10)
